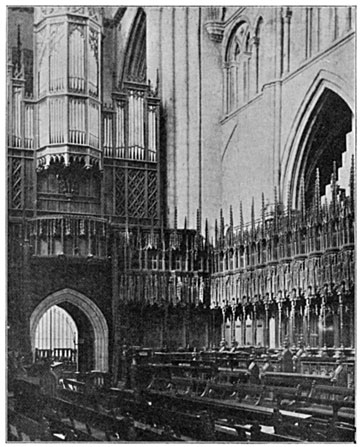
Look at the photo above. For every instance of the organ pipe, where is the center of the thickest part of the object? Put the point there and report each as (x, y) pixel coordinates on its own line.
(152, 133)
(107, 134)
(28, 126)
(76, 61)
(17, 103)
(120, 132)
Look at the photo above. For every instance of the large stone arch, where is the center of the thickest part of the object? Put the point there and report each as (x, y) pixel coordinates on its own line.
(91, 311)
(294, 149)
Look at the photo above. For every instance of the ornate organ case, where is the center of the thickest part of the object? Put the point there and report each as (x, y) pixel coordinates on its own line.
(68, 152)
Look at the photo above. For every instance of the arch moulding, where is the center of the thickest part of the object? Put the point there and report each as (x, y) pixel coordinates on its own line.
(93, 313)
(293, 149)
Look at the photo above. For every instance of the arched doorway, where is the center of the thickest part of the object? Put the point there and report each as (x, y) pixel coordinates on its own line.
(91, 325)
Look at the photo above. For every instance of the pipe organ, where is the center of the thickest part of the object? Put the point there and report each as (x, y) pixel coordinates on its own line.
(130, 142)
(67, 62)
(67, 124)
(132, 123)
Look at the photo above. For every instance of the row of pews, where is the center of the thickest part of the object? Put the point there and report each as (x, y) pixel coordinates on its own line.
(184, 398)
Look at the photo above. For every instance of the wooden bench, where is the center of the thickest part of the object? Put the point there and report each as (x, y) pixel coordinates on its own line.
(89, 421)
(24, 428)
(224, 391)
(293, 379)
(235, 376)
(335, 403)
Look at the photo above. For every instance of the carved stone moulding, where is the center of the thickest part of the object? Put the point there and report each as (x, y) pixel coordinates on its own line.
(44, 159)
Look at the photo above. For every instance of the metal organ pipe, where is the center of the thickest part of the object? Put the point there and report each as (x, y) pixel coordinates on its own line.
(152, 134)
(28, 126)
(131, 121)
(141, 122)
(76, 65)
(17, 118)
(79, 121)
(136, 126)
(142, 118)
(139, 127)
(120, 136)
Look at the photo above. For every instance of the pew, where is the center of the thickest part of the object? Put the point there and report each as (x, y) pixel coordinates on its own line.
(173, 400)
(285, 407)
(335, 403)
(24, 428)
(171, 425)
(293, 379)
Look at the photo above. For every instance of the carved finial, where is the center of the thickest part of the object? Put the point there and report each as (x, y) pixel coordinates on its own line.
(276, 201)
(263, 212)
(240, 221)
(19, 48)
(352, 183)
(334, 188)
(326, 210)
(221, 225)
(231, 216)
(317, 194)
(216, 232)
(302, 197)
(289, 204)
(198, 222)
(175, 217)
(206, 232)
(253, 214)
(185, 223)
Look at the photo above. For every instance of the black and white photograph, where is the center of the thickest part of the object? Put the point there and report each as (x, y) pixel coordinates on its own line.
(180, 201)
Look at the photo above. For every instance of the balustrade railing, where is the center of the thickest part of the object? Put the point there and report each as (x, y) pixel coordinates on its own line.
(56, 354)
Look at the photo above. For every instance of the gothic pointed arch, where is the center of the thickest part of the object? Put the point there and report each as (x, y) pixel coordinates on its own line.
(95, 319)
(135, 58)
(317, 135)
(237, 54)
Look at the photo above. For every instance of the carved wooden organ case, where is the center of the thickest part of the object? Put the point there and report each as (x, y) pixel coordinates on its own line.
(70, 154)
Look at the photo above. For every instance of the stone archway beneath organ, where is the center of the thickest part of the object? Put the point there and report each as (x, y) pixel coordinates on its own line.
(93, 334)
